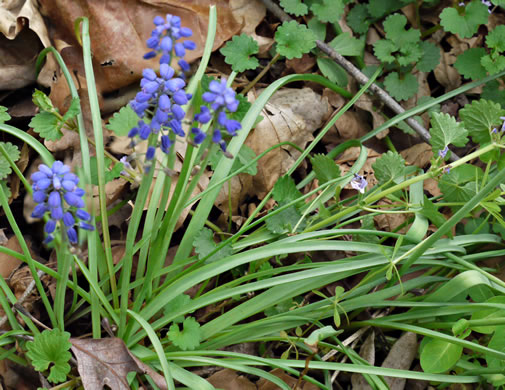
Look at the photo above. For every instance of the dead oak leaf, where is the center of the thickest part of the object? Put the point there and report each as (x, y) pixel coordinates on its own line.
(106, 362)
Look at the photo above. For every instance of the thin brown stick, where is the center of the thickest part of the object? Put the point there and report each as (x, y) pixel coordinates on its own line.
(359, 76)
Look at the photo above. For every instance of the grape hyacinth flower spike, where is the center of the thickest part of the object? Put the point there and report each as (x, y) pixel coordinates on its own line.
(222, 101)
(56, 193)
(159, 102)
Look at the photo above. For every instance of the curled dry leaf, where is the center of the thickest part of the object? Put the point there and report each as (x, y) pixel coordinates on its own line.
(446, 74)
(9, 263)
(107, 361)
(23, 36)
(291, 115)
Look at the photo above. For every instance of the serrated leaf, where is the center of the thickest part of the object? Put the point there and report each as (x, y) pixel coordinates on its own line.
(468, 63)
(175, 305)
(123, 121)
(446, 131)
(493, 62)
(285, 221)
(4, 115)
(51, 347)
(384, 49)
(324, 168)
(73, 110)
(394, 26)
(47, 126)
(358, 19)
(467, 24)
(480, 117)
(110, 174)
(332, 71)
(189, 337)
(328, 11)
(238, 53)
(346, 45)
(459, 184)
(295, 7)
(401, 89)
(204, 244)
(42, 101)
(410, 52)
(285, 190)
(388, 167)
(294, 40)
(494, 92)
(495, 39)
(13, 153)
(430, 57)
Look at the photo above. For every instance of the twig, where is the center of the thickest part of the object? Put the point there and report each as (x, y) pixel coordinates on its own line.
(359, 76)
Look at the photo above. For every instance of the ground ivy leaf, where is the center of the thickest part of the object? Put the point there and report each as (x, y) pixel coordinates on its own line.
(204, 244)
(294, 40)
(73, 110)
(295, 7)
(189, 337)
(358, 19)
(493, 91)
(46, 125)
(495, 39)
(493, 62)
(380, 8)
(459, 184)
(394, 26)
(468, 63)
(384, 49)
(238, 52)
(13, 152)
(347, 45)
(430, 57)
(328, 11)
(410, 52)
(480, 117)
(388, 167)
(467, 24)
(285, 221)
(445, 131)
(123, 121)
(401, 89)
(51, 347)
(285, 190)
(175, 305)
(332, 71)
(324, 168)
(4, 115)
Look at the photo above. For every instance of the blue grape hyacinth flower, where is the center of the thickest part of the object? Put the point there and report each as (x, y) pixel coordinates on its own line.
(56, 193)
(222, 101)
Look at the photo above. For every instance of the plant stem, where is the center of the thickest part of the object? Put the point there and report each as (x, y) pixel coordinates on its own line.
(261, 74)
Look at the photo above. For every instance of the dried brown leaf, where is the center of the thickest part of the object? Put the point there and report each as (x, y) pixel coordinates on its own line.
(9, 263)
(400, 357)
(367, 352)
(230, 380)
(418, 155)
(107, 361)
(263, 384)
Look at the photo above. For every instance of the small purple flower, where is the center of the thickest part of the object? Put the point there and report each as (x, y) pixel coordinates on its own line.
(447, 169)
(56, 193)
(442, 153)
(359, 183)
(503, 124)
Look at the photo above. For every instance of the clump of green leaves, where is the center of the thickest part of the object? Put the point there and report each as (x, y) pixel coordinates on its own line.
(403, 49)
(464, 20)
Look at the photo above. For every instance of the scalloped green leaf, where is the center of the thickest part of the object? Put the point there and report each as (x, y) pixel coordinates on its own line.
(295, 7)
(346, 45)
(324, 168)
(13, 153)
(294, 40)
(468, 63)
(4, 115)
(239, 53)
(47, 126)
(401, 88)
(123, 121)
(430, 57)
(467, 23)
(328, 11)
(445, 131)
(388, 167)
(480, 118)
(187, 338)
(51, 348)
(205, 244)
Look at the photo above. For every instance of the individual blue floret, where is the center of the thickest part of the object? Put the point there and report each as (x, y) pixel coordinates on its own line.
(56, 193)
